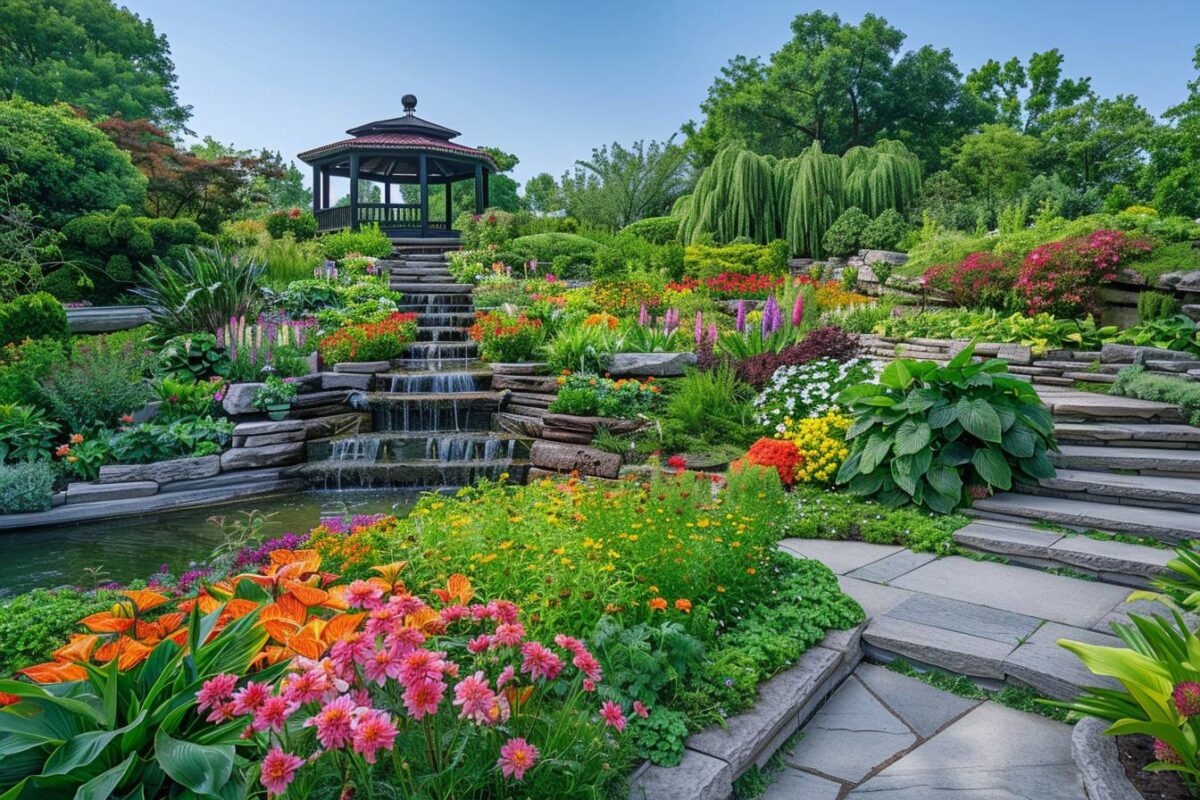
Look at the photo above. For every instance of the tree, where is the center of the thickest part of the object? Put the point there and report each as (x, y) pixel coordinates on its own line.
(1019, 96)
(1094, 143)
(209, 183)
(502, 190)
(91, 54)
(26, 248)
(840, 84)
(273, 184)
(543, 194)
(620, 185)
(1173, 175)
(368, 192)
(995, 163)
(61, 164)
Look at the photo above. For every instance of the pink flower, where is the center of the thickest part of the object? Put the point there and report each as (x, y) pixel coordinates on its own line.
(333, 722)
(383, 665)
(221, 713)
(479, 644)
(506, 676)
(540, 662)
(423, 697)
(373, 731)
(508, 634)
(248, 699)
(305, 687)
(568, 643)
(798, 310)
(612, 715)
(589, 685)
(640, 709)
(354, 649)
(586, 663)
(215, 691)
(422, 665)
(279, 770)
(273, 714)
(454, 613)
(504, 611)
(405, 640)
(516, 757)
(1186, 696)
(363, 594)
(475, 697)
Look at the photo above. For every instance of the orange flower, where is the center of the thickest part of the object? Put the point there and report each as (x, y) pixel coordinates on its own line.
(683, 605)
(658, 604)
(76, 438)
(62, 450)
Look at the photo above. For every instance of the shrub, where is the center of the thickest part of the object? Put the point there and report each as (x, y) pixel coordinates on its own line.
(1064, 277)
(192, 356)
(885, 232)
(656, 230)
(503, 338)
(492, 228)
(705, 261)
(26, 486)
(33, 316)
(373, 341)
(580, 349)
(1039, 332)
(24, 365)
(844, 237)
(237, 234)
(586, 395)
(368, 240)
(1153, 306)
(706, 408)
(182, 438)
(200, 290)
(826, 342)
(102, 384)
(25, 433)
(808, 389)
(1136, 382)
(36, 623)
(777, 454)
(552, 251)
(934, 435)
(981, 280)
(300, 224)
(735, 285)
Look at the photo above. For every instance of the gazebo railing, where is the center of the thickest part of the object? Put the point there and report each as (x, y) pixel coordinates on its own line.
(333, 219)
(386, 215)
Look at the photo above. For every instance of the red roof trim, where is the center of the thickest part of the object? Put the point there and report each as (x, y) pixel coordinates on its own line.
(397, 141)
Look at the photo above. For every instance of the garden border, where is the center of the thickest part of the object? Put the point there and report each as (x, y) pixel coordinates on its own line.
(715, 757)
(1095, 756)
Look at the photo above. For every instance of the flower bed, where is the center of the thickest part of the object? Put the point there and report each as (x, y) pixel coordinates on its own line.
(371, 341)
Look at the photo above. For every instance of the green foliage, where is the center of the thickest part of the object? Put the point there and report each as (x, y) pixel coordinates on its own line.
(274, 391)
(103, 382)
(823, 514)
(184, 398)
(156, 441)
(1039, 332)
(656, 230)
(200, 290)
(644, 659)
(735, 197)
(659, 737)
(587, 395)
(619, 185)
(996, 163)
(565, 254)
(63, 166)
(885, 232)
(286, 259)
(703, 409)
(368, 240)
(25, 433)
(580, 348)
(1136, 382)
(33, 316)
(193, 356)
(706, 261)
(38, 622)
(931, 435)
(302, 225)
(24, 365)
(26, 486)
(1171, 333)
(844, 237)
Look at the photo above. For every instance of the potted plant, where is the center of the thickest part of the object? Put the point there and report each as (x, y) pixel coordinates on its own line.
(275, 396)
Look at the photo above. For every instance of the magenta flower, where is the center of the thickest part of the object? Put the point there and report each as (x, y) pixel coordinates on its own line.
(540, 662)
(273, 714)
(250, 698)
(372, 731)
(1187, 698)
(423, 697)
(740, 325)
(612, 715)
(640, 709)
(698, 329)
(279, 770)
(216, 691)
(474, 697)
(333, 722)
(517, 756)
(506, 675)
(383, 665)
(798, 310)
(508, 634)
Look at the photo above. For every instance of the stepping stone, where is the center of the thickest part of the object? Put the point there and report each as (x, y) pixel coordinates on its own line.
(841, 557)
(924, 708)
(998, 625)
(792, 784)
(1053, 670)
(851, 735)
(1166, 525)
(926, 645)
(1023, 591)
(1007, 539)
(1106, 556)
(875, 598)
(1139, 458)
(1092, 406)
(1127, 432)
(892, 567)
(1152, 488)
(994, 753)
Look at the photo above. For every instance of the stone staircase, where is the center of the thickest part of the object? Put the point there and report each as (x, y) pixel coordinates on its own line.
(432, 410)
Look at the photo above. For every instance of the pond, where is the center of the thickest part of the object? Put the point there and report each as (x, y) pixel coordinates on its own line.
(136, 547)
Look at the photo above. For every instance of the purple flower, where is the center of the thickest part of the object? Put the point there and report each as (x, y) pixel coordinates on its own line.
(698, 330)
(643, 316)
(798, 310)
(741, 316)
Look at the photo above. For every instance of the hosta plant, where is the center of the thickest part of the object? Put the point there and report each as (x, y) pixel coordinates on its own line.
(935, 436)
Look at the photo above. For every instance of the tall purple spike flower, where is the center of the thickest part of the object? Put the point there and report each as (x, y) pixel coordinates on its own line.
(712, 333)
(643, 316)
(740, 325)
(698, 330)
(771, 317)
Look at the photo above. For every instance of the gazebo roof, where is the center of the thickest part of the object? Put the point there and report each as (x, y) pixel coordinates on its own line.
(404, 135)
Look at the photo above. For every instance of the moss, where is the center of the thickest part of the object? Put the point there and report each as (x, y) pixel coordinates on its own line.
(1167, 258)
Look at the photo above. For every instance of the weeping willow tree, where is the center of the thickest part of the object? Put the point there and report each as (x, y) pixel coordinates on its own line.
(880, 177)
(743, 194)
(735, 197)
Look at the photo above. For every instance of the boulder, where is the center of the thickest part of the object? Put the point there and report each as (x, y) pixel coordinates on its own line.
(177, 469)
(1130, 277)
(569, 423)
(96, 492)
(264, 439)
(239, 398)
(1192, 310)
(335, 425)
(883, 256)
(517, 368)
(1128, 353)
(267, 427)
(658, 365)
(346, 380)
(275, 455)
(544, 384)
(562, 457)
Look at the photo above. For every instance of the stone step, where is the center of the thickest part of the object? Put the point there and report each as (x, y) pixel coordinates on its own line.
(432, 288)
(1166, 525)
(1146, 460)
(439, 333)
(1129, 434)
(408, 276)
(1085, 406)
(407, 447)
(1152, 491)
(1104, 559)
(436, 350)
(458, 319)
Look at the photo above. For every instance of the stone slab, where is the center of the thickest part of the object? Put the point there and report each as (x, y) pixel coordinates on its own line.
(996, 624)
(86, 492)
(239, 398)
(922, 707)
(1105, 555)
(841, 557)
(177, 469)
(993, 752)
(224, 480)
(562, 457)
(1146, 608)
(262, 440)
(888, 569)
(698, 777)
(851, 735)
(926, 645)
(362, 367)
(346, 380)
(646, 365)
(336, 425)
(792, 784)
(1107, 458)
(1095, 755)
(1152, 488)
(275, 455)
(1053, 670)
(1024, 591)
(875, 598)
(1013, 540)
(1164, 524)
(267, 426)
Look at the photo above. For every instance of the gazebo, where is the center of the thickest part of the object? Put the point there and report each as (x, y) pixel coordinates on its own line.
(406, 150)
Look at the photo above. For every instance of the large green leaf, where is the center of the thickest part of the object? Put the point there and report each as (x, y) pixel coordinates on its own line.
(1019, 440)
(954, 454)
(942, 416)
(979, 419)
(202, 768)
(874, 451)
(992, 467)
(89, 707)
(897, 375)
(1039, 466)
(904, 473)
(944, 480)
(911, 437)
(105, 784)
(78, 756)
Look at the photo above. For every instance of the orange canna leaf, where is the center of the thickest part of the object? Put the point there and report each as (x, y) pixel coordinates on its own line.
(292, 607)
(516, 697)
(426, 620)
(307, 595)
(309, 648)
(168, 623)
(390, 573)
(54, 672)
(341, 626)
(145, 599)
(133, 654)
(281, 630)
(79, 648)
(105, 622)
(239, 607)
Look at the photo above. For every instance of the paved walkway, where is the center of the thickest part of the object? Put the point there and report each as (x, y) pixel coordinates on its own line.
(887, 736)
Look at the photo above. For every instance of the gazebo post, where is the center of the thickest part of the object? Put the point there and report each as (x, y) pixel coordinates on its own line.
(316, 189)
(325, 187)
(387, 192)
(479, 189)
(423, 176)
(487, 190)
(449, 202)
(354, 191)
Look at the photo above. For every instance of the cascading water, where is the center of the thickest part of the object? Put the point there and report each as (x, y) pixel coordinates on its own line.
(431, 415)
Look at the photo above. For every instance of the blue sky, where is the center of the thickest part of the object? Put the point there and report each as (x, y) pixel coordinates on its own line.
(551, 80)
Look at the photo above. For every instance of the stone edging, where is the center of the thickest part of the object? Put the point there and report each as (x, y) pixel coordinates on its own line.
(715, 757)
(1096, 757)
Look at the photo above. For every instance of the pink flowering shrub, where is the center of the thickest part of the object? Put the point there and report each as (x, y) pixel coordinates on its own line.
(981, 280)
(449, 701)
(1064, 277)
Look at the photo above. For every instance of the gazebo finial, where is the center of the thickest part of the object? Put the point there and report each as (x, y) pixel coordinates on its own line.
(410, 103)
